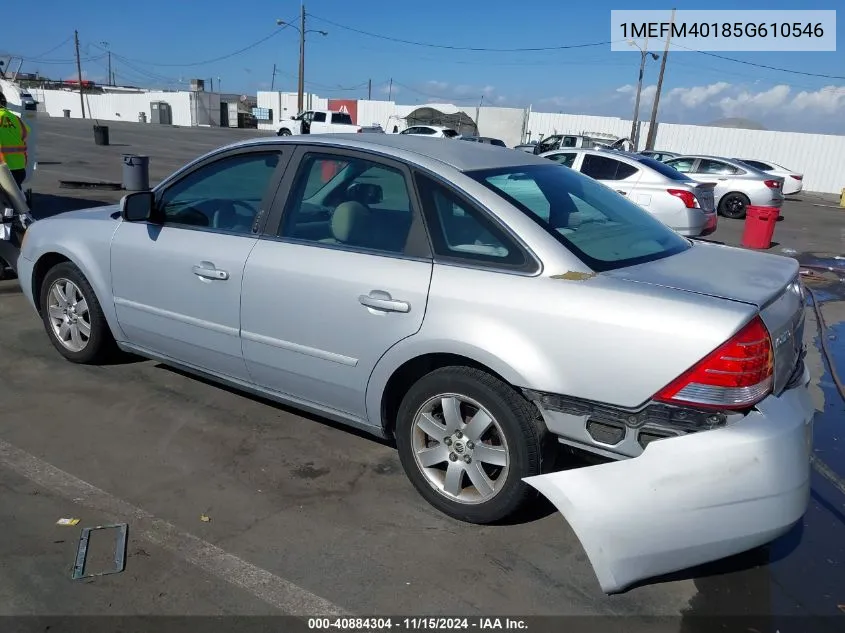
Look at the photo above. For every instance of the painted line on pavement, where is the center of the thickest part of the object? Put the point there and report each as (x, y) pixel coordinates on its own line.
(289, 598)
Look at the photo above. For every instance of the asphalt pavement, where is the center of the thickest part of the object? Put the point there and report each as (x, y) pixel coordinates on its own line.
(306, 516)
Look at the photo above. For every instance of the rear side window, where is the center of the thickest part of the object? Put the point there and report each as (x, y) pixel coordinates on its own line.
(461, 232)
(341, 117)
(498, 142)
(756, 164)
(603, 168)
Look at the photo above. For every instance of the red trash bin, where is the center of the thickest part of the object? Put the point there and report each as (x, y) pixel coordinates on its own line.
(760, 225)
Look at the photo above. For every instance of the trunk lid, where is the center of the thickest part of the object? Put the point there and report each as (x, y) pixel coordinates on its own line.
(704, 193)
(768, 282)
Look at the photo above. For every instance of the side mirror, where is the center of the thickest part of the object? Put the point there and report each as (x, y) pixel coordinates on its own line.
(138, 206)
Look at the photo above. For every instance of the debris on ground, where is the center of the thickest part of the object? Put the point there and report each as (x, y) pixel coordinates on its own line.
(67, 521)
(205, 519)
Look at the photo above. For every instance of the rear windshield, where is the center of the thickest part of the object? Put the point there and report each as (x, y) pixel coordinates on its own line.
(496, 141)
(605, 230)
(663, 169)
(450, 133)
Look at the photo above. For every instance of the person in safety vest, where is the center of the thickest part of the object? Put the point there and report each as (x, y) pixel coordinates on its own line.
(13, 133)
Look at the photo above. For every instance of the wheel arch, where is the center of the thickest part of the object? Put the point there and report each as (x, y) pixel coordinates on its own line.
(51, 258)
(400, 368)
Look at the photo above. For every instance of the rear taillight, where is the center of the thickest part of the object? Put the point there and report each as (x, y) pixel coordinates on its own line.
(690, 201)
(796, 177)
(736, 375)
(773, 184)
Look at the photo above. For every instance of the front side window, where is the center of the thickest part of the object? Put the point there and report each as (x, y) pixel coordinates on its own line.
(224, 195)
(603, 229)
(319, 117)
(349, 202)
(567, 160)
(683, 165)
(461, 232)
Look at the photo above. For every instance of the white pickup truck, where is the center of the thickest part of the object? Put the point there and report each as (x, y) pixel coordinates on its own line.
(318, 122)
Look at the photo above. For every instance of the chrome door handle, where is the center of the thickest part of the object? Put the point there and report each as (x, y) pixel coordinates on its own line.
(210, 273)
(385, 304)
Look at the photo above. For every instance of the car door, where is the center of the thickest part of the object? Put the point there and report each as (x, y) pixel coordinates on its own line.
(319, 124)
(340, 276)
(710, 170)
(177, 282)
(620, 176)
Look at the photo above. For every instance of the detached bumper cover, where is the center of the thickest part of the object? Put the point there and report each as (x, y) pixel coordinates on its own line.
(693, 499)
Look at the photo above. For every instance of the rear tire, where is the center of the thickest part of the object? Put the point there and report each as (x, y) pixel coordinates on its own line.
(733, 205)
(73, 318)
(473, 470)
(283, 132)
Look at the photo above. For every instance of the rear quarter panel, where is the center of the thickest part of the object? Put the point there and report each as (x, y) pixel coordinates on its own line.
(601, 339)
(85, 241)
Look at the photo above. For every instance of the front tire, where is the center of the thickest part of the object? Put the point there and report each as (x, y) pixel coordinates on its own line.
(733, 205)
(73, 318)
(284, 132)
(466, 440)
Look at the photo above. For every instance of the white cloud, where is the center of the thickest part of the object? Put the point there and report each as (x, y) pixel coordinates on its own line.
(748, 103)
(439, 86)
(697, 95)
(827, 100)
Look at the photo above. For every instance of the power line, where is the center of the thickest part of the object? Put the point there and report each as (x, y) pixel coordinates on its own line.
(755, 64)
(457, 48)
(274, 33)
(55, 48)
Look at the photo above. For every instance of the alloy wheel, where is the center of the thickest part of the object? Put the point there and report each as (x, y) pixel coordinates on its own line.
(460, 448)
(69, 316)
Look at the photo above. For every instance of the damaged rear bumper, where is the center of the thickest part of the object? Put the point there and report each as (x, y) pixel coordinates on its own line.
(691, 499)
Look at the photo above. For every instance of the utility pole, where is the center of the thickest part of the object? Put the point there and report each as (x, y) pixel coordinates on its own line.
(110, 76)
(301, 88)
(369, 89)
(79, 72)
(643, 54)
(652, 126)
(273, 81)
(390, 90)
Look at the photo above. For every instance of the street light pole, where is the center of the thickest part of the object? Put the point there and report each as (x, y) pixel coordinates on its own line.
(301, 88)
(635, 123)
(300, 93)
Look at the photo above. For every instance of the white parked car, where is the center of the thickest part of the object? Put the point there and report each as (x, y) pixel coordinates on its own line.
(435, 131)
(318, 122)
(677, 200)
(793, 181)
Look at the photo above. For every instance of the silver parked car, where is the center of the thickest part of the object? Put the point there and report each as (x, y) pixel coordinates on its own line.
(737, 184)
(673, 198)
(409, 292)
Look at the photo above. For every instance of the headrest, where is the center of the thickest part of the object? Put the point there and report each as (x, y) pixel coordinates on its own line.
(351, 222)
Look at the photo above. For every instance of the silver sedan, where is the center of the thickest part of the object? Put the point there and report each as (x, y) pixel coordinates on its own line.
(737, 185)
(675, 199)
(403, 287)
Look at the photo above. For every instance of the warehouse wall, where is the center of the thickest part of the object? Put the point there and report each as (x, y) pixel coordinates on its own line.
(113, 106)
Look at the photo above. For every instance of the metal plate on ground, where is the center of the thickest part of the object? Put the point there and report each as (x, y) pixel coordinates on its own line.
(121, 533)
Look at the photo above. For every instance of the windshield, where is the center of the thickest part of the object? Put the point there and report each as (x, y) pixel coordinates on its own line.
(605, 230)
(663, 169)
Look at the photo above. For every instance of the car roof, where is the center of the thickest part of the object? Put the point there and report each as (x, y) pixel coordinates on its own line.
(708, 157)
(415, 149)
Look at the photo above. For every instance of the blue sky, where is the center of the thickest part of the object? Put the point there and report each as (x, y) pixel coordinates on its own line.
(161, 42)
